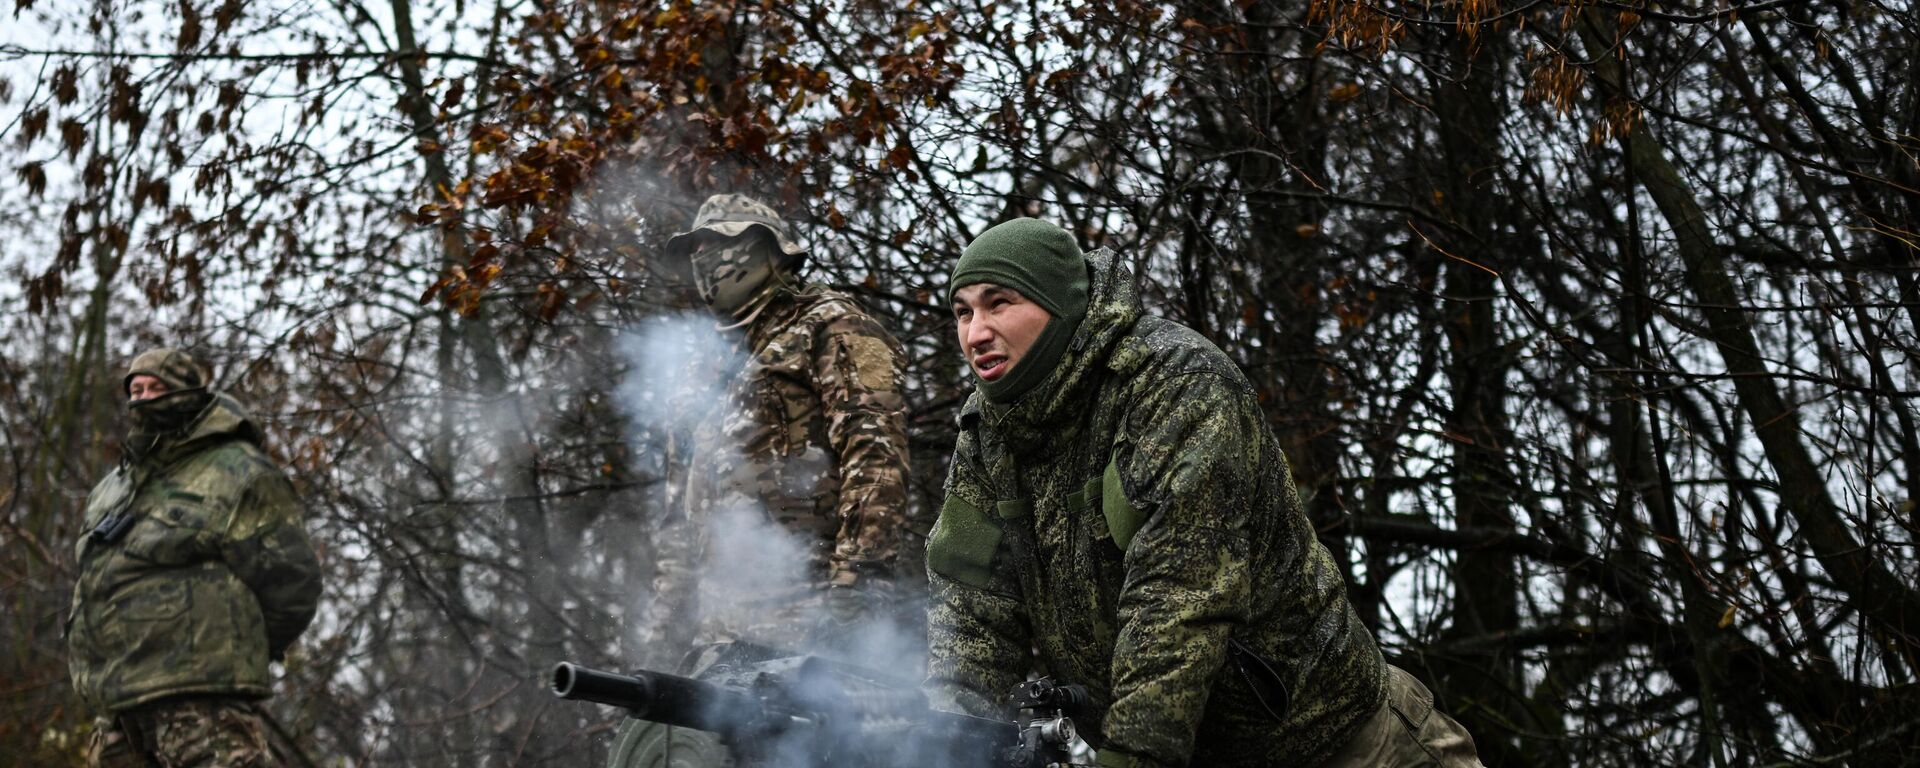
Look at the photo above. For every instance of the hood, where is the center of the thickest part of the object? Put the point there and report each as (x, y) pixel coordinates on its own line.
(223, 419)
(1113, 307)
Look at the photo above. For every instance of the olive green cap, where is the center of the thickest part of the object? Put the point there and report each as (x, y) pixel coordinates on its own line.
(1034, 257)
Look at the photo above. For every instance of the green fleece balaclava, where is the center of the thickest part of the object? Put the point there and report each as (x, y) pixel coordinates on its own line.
(1043, 263)
(158, 417)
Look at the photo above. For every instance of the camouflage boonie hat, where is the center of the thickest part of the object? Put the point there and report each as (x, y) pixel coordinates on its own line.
(732, 216)
(178, 369)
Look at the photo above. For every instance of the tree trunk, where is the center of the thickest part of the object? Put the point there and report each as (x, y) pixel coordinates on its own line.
(1483, 687)
(1888, 601)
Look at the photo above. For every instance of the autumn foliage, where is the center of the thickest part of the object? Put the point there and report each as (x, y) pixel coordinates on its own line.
(1588, 327)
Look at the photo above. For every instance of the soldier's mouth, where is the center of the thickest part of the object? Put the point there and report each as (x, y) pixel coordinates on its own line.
(990, 366)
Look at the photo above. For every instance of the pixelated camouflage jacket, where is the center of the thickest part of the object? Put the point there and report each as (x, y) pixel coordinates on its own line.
(215, 577)
(1128, 518)
(813, 433)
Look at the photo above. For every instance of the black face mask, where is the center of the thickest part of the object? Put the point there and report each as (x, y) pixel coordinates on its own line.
(157, 417)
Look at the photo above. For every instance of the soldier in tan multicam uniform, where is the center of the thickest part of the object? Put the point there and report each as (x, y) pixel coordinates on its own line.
(194, 574)
(811, 441)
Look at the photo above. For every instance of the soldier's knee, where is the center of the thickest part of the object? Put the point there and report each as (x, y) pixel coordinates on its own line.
(1408, 731)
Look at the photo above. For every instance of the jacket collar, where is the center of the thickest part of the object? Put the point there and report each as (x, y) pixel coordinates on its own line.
(223, 419)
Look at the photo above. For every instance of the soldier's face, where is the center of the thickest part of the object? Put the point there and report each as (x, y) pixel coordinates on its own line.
(728, 272)
(997, 326)
(145, 387)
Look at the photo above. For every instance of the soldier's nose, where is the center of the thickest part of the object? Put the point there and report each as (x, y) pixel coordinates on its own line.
(979, 337)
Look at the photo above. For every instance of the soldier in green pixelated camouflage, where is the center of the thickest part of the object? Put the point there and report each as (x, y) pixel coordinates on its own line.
(811, 440)
(195, 572)
(1118, 502)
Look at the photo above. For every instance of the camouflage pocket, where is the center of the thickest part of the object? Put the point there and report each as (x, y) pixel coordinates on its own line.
(963, 543)
(166, 536)
(1123, 519)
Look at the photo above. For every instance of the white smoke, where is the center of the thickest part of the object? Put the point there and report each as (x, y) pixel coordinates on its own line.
(680, 373)
(678, 369)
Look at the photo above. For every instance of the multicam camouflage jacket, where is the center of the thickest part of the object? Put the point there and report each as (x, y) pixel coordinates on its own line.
(214, 578)
(1134, 520)
(813, 436)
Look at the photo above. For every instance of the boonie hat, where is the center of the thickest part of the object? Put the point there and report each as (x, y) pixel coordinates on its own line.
(732, 215)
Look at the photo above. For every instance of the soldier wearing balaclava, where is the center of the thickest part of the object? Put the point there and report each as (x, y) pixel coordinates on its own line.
(810, 441)
(194, 573)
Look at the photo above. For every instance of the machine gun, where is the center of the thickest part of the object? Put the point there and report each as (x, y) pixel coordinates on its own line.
(804, 711)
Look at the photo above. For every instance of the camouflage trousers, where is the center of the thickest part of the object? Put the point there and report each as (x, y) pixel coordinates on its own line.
(188, 732)
(1407, 731)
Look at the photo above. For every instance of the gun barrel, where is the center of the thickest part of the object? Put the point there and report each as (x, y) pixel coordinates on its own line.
(834, 716)
(659, 697)
(572, 681)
